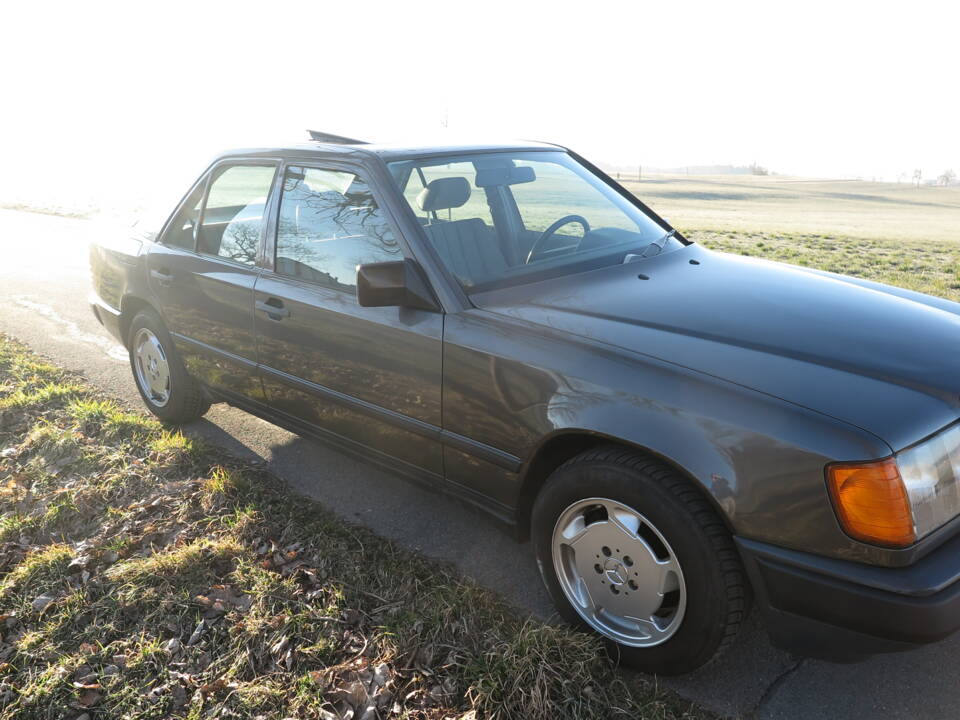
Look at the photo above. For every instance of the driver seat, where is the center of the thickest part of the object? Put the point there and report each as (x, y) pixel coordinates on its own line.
(468, 247)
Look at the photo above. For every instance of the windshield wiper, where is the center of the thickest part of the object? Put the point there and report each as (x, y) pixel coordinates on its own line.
(658, 244)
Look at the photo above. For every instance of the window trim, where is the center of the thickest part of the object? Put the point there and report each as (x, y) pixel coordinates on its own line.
(360, 171)
(201, 182)
(218, 168)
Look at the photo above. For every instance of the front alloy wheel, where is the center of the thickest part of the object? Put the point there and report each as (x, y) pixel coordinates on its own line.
(632, 550)
(619, 572)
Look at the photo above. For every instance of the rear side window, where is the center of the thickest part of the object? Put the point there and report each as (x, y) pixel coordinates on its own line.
(233, 215)
(330, 223)
(179, 232)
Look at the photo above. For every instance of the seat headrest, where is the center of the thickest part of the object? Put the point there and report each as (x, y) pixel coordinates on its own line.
(443, 194)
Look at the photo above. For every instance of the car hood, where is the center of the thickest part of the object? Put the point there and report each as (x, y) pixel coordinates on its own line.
(884, 359)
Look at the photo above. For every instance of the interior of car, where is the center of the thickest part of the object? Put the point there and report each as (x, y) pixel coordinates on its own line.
(497, 219)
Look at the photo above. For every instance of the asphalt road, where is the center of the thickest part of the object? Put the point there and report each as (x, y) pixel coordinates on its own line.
(43, 289)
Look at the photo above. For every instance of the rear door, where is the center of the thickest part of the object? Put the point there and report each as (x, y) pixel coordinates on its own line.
(367, 375)
(204, 271)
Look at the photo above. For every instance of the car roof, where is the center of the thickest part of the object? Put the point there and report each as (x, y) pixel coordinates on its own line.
(387, 151)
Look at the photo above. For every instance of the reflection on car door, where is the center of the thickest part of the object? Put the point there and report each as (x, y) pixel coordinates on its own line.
(369, 375)
(204, 271)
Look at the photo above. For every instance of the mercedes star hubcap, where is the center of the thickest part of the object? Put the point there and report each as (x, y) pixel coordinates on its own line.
(619, 572)
(152, 368)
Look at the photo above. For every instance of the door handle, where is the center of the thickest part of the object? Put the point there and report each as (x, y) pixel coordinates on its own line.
(273, 308)
(163, 277)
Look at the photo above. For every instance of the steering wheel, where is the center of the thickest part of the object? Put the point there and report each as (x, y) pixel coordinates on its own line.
(553, 228)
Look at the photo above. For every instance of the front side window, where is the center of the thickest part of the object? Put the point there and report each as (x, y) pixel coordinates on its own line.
(233, 215)
(329, 224)
(507, 218)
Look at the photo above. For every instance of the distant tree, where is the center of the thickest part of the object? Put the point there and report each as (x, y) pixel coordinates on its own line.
(948, 177)
(917, 176)
(758, 169)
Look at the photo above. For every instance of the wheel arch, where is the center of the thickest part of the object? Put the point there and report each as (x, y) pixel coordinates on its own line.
(564, 445)
(130, 305)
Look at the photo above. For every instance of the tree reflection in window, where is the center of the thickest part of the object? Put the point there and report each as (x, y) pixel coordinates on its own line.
(241, 238)
(233, 214)
(329, 224)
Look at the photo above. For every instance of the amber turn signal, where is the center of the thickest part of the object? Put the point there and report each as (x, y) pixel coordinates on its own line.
(871, 502)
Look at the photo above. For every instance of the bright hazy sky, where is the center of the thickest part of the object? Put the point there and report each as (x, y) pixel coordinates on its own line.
(111, 97)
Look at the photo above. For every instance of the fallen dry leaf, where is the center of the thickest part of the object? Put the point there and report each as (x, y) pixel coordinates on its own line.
(89, 698)
(41, 601)
(197, 633)
(213, 687)
(87, 686)
(223, 598)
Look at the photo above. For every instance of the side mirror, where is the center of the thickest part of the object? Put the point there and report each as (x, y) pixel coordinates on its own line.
(394, 284)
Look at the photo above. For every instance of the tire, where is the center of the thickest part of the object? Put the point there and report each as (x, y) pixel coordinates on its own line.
(685, 574)
(148, 340)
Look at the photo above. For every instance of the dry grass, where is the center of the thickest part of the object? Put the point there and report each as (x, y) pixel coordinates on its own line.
(143, 575)
(870, 211)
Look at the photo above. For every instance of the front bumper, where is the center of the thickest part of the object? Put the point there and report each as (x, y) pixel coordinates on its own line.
(843, 611)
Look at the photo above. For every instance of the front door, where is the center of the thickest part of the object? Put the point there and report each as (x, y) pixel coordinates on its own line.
(203, 273)
(368, 375)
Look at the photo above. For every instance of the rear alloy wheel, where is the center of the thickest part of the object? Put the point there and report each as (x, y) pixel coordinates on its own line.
(630, 549)
(151, 367)
(164, 384)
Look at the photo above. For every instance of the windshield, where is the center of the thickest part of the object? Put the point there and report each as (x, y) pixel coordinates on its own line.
(499, 219)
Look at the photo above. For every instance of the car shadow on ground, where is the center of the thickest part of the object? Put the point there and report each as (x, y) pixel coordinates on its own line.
(449, 530)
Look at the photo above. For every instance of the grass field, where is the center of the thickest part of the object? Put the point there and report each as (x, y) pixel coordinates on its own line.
(888, 232)
(928, 267)
(775, 204)
(145, 575)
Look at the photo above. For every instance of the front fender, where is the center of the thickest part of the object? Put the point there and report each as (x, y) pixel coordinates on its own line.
(760, 459)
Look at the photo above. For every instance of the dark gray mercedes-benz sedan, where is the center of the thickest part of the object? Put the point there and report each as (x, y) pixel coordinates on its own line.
(678, 431)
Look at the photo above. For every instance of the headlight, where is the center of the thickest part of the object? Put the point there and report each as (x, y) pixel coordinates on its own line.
(897, 501)
(931, 476)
